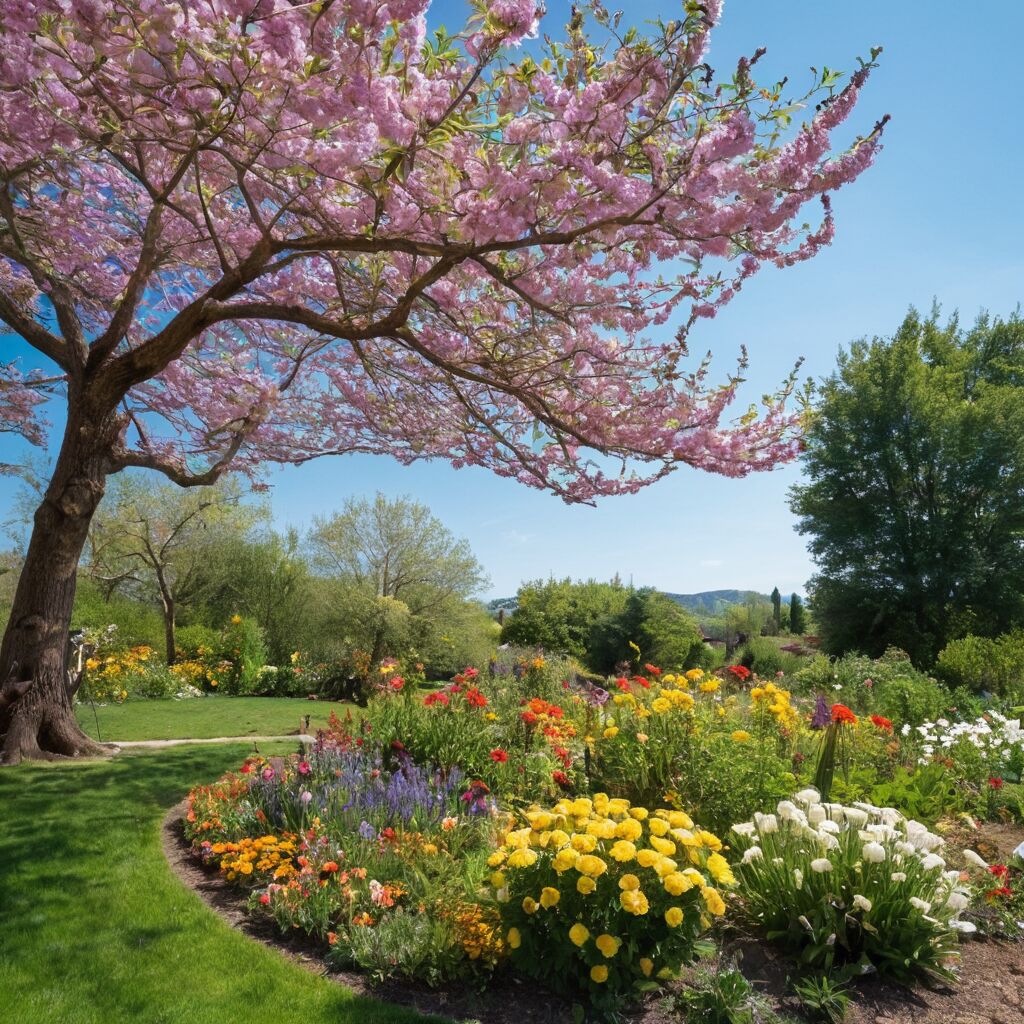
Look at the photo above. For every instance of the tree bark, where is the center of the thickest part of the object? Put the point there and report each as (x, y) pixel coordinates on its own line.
(37, 721)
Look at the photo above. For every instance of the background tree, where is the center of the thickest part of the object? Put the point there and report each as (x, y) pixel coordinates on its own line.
(914, 500)
(160, 540)
(776, 599)
(797, 615)
(396, 574)
(237, 233)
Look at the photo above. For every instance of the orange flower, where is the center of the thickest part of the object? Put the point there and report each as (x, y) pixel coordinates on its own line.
(842, 715)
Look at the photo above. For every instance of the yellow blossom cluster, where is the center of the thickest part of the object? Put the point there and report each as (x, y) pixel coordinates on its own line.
(480, 933)
(268, 855)
(580, 871)
(776, 701)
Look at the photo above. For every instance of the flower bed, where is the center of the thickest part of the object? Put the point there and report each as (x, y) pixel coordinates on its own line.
(529, 821)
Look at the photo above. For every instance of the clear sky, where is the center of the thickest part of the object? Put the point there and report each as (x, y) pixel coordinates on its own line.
(939, 216)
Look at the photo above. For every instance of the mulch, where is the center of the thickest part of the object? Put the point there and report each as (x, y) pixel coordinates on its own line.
(991, 990)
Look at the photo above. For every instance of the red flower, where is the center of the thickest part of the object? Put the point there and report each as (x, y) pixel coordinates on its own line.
(246, 768)
(329, 867)
(842, 715)
(561, 779)
(499, 756)
(995, 782)
(396, 682)
(471, 673)
(1004, 891)
(623, 684)
(880, 722)
(475, 698)
(265, 899)
(397, 745)
(436, 698)
(652, 670)
(529, 717)
(455, 688)
(642, 682)
(999, 870)
(565, 684)
(304, 768)
(741, 672)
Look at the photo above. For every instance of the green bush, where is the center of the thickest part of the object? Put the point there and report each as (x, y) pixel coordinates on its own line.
(762, 655)
(137, 624)
(982, 664)
(195, 641)
(241, 644)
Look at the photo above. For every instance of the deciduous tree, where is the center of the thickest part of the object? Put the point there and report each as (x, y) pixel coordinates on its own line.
(242, 231)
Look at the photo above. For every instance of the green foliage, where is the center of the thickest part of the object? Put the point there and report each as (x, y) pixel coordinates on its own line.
(241, 644)
(823, 999)
(797, 615)
(763, 656)
(914, 457)
(137, 623)
(196, 641)
(561, 616)
(923, 792)
(721, 996)
(994, 665)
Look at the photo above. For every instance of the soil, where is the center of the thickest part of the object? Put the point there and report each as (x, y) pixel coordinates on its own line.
(991, 990)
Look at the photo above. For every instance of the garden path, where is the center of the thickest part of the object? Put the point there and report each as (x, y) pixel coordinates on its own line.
(295, 737)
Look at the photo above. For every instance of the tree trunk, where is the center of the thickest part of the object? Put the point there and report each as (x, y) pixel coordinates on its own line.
(167, 603)
(36, 715)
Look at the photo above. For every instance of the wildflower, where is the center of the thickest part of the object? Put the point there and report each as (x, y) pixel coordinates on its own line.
(561, 779)
(646, 966)
(862, 903)
(821, 865)
(499, 756)
(874, 853)
(995, 782)
(882, 723)
(448, 823)
(642, 737)
(740, 736)
(842, 715)
(585, 885)
(822, 716)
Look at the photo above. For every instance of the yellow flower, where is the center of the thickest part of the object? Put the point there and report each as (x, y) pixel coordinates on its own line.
(646, 966)
(599, 974)
(491, 716)
(647, 858)
(530, 905)
(608, 945)
(640, 813)
(660, 706)
(665, 846)
(630, 828)
(694, 674)
(633, 901)
(710, 840)
(236, 619)
(628, 882)
(582, 807)
(611, 732)
(642, 737)
(604, 829)
(623, 851)
(673, 917)
(658, 826)
(585, 885)
(588, 864)
(584, 843)
(710, 685)
(578, 934)
(558, 838)
(676, 883)
(549, 897)
(496, 859)
(741, 736)
(521, 858)
(565, 859)
(680, 819)
(515, 940)
(498, 879)
(713, 901)
(719, 868)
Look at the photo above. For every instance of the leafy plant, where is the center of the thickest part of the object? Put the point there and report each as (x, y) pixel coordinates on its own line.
(823, 998)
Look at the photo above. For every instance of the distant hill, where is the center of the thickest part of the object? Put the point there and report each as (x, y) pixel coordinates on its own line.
(714, 602)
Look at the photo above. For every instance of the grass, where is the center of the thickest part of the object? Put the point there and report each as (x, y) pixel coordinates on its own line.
(94, 927)
(205, 717)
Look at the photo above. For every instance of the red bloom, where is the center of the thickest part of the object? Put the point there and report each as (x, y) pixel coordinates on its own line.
(529, 717)
(995, 782)
(329, 867)
(999, 870)
(652, 670)
(475, 698)
(561, 779)
(246, 768)
(565, 684)
(1004, 891)
(880, 722)
(397, 745)
(471, 673)
(396, 682)
(436, 698)
(623, 684)
(499, 756)
(455, 688)
(640, 681)
(265, 899)
(842, 715)
(741, 672)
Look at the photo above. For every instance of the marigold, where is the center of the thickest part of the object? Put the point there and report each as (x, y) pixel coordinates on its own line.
(673, 917)
(599, 974)
(585, 885)
(608, 945)
(549, 897)
(578, 934)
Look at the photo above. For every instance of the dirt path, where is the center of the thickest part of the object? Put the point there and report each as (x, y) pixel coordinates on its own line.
(293, 738)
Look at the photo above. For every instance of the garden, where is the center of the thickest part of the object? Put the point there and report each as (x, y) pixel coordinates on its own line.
(524, 821)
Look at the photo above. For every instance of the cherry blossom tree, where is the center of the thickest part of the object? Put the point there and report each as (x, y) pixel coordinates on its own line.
(249, 231)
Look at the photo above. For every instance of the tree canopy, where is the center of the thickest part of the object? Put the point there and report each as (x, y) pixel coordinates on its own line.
(914, 501)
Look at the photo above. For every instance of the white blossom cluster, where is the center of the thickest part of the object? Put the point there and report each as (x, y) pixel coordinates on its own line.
(994, 736)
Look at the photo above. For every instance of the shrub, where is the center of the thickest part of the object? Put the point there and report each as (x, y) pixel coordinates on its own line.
(195, 642)
(850, 886)
(764, 656)
(241, 644)
(605, 898)
(981, 664)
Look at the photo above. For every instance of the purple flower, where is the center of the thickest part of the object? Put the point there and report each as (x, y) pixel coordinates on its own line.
(304, 797)
(367, 831)
(822, 717)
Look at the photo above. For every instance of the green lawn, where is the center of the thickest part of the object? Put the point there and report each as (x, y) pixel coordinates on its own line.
(94, 927)
(205, 717)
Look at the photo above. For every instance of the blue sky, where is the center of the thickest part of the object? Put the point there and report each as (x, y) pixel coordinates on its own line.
(939, 216)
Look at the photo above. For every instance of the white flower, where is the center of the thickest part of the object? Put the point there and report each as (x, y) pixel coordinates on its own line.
(957, 901)
(932, 861)
(808, 796)
(862, 903)
(798, 878)
(835, 811)
(972, 858)
(778, 861)
(965, 927)
(744, 828)
(816, 814)
(807, 924)
(821, 865)
(899, 876)
(766, 823)
(856, 817)
(906, 848)
(828, 842)
(754, 853)
(874, 853)
(918, 904)
(832, 827)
